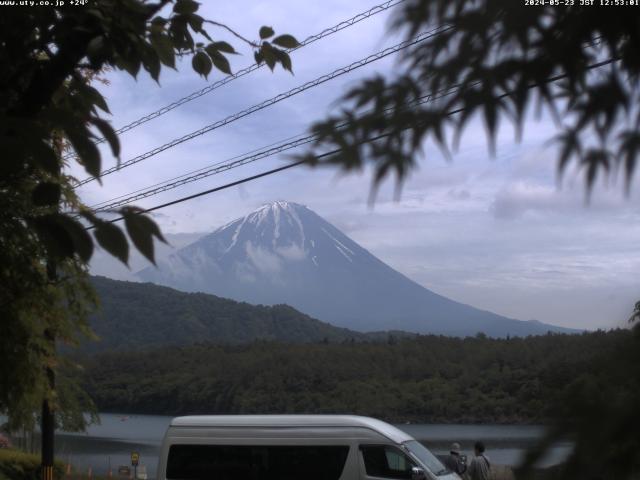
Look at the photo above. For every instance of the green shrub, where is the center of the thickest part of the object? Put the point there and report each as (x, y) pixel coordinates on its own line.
(17, 465)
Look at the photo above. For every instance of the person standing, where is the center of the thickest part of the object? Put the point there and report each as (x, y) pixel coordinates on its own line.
(480, 467)
(455, 462)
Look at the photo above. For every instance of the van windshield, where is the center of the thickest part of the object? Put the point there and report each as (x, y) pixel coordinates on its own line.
(427, 458)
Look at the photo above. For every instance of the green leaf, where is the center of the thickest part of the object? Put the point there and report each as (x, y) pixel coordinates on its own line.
(63, 236)
(628, 152)
(201, 63)
(88, 153)
(266, 32)
(108, 133)
(131, 65)
(159, 22)
(185, 7)
(219, 60)
(96, 13)
(570, 146)
(96, 49)
(286, 41)
(268, 54)
(46, 194)
(112, 239)
(222, 64)
(164, 48)
(82, 242)
(53, 235)
(151, 61)
(223, 47)
(141, 229)
(94, 97)
(180, 35)
(196, 22)
(284, 59)
(259, 58)
(45, 157)
(594, 159)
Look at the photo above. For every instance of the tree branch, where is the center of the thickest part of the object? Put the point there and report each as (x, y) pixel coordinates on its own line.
(233, 32)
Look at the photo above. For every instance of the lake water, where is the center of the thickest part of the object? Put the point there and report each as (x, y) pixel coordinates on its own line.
(111, 443)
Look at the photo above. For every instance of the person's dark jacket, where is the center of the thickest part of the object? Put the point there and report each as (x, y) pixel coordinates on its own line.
(455, 463)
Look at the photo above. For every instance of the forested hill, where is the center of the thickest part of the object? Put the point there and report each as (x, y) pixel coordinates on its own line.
(141, 315)
(426, 379)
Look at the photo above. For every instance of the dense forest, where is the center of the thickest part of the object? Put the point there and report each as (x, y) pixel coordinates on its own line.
(141, 315)
(423, 379)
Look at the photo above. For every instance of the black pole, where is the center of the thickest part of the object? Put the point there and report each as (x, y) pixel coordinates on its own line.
(47, 426)
(47, 441)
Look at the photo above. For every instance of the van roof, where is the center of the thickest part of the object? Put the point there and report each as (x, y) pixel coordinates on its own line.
(389, 431)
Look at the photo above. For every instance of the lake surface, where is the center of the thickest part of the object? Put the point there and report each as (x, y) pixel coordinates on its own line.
(110, 444)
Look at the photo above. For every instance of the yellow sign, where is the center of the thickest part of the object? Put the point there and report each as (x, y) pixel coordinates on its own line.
(135, 458)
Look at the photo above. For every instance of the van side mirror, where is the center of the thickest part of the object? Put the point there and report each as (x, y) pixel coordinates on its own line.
(417, 474)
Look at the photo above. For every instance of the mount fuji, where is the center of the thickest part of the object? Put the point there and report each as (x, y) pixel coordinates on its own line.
(285, 253)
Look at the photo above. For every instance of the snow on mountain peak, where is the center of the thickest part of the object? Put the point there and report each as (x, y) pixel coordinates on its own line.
(276, 208)
(278, 232)
(283, 252)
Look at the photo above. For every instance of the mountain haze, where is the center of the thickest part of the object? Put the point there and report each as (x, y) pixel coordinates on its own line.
(285, 253)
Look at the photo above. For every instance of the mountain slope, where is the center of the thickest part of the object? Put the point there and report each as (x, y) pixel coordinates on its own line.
(137, 315)
(285, 253)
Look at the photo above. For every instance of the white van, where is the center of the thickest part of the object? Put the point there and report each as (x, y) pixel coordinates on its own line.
(293, 447)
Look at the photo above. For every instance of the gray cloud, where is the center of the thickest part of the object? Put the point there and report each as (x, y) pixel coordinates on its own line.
(496, 233)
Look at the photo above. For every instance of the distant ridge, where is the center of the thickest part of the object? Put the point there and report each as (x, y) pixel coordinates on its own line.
(135, 316)
(285, 253)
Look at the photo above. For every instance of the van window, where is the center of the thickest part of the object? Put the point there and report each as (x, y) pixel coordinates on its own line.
(384, 461)
(260, 462)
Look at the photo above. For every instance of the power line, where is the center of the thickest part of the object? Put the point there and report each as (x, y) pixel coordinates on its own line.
(551, 79)
(234, 162)
(273, 100)
(242, 180)
(262, 174)
(132, 196)
(238, 182)
(216, 189)
(245, 71)
(219, 168)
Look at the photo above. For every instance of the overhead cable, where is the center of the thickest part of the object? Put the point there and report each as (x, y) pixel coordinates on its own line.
(271, 101)
(245, 71)
(219, 167)
(551, 79)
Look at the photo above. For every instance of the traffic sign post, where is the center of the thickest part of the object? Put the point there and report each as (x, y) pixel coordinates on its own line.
(135, 459)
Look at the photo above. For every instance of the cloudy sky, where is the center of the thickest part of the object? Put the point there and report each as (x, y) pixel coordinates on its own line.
(498, 233)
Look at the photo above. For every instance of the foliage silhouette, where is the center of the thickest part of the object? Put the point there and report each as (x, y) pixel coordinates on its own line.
(48, 60)
(494, 59)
